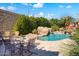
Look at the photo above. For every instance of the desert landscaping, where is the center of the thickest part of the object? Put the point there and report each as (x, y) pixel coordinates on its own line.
(33, 31)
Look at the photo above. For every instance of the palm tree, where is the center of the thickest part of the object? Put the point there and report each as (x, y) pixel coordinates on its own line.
(67, 20)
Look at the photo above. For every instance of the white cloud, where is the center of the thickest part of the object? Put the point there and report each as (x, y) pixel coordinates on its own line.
(30, 15)
(7, 8)
(2, 8)
(40, 14)
(11, 8)
(61, 6)
(25, 4)
(38, 5)
(69, 6)
(49, 15)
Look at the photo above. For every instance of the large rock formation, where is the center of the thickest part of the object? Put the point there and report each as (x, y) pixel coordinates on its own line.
(43, 30)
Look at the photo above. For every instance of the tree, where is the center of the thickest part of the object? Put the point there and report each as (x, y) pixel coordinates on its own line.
(26, 26)
(18, 23)
(33, 22)
(65, 20)
(54, 21)
(41, 21)
(55, 28)
(22, 24)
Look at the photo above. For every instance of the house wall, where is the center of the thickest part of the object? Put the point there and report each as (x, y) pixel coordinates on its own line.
(7, 19)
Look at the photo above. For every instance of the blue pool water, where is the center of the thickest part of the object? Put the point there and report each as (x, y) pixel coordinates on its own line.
(54, 37)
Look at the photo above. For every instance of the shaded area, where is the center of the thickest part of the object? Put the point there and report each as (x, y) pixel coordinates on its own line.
(41, 52)
(7, 48)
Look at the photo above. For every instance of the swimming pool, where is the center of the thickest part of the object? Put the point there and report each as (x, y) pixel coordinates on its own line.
(53, 37)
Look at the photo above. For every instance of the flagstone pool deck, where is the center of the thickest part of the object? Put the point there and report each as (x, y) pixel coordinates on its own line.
(55, 45)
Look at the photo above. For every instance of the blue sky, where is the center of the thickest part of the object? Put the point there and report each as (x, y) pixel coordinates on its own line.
(48, 10)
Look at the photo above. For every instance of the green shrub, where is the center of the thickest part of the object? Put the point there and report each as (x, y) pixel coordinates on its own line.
(23, 25)
(74, 51)
(76, 36)
(55, 28)
(35, 31)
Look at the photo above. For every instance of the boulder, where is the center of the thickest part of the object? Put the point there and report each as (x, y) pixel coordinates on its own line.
(43, 30)
(30, 36)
